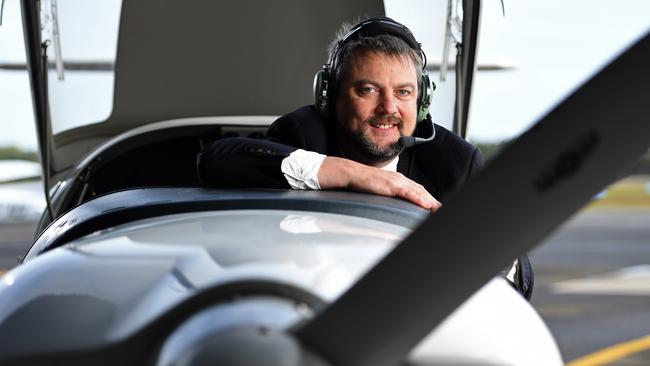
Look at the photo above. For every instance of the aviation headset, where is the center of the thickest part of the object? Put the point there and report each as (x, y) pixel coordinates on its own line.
(325, 77)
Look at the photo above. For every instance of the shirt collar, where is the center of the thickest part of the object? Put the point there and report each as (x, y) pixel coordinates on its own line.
(392, 166)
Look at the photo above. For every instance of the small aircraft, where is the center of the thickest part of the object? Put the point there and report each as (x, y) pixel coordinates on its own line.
(135, 263)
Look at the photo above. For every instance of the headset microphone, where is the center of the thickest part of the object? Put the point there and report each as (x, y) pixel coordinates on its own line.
(410, 141)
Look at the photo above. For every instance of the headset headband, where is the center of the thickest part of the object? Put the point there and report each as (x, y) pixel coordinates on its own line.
(378, 26)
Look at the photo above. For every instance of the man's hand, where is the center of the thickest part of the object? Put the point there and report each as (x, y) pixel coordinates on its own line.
(343, 173)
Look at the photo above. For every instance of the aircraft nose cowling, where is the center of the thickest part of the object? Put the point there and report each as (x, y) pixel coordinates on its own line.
(248, 330)
(248, 346)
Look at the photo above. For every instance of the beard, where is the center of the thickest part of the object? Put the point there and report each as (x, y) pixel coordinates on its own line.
(373, 152)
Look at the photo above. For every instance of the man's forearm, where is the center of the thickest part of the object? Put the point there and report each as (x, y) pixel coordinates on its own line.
(240, 162)
(335, 172)
(343, 173)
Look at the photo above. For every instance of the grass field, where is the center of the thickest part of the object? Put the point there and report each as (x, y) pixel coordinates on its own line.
(630, 192)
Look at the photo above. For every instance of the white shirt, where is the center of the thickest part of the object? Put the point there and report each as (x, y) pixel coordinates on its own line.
(301, 167)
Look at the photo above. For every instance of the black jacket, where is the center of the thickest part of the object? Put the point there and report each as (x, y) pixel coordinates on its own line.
(441, 165)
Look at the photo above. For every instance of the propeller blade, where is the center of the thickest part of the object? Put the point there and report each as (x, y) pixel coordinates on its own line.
(585, 143)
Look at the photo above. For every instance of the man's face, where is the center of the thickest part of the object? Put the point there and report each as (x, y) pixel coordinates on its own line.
(376, 104)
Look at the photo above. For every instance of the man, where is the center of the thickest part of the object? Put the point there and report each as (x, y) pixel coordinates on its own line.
(369, 97)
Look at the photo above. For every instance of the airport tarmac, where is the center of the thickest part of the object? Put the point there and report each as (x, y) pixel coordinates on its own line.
(592, 287)
(15, 239)
(592, 284)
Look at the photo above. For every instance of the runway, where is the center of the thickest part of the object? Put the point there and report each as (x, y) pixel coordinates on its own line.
(592, 284)
(15, 239)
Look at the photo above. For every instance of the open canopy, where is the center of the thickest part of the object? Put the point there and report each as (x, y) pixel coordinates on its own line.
(172, 59)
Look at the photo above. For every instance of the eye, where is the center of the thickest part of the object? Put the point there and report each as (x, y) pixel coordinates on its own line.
(365, 90)
(403, 92)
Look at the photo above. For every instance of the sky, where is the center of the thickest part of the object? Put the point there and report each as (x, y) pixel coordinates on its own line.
(553, 45)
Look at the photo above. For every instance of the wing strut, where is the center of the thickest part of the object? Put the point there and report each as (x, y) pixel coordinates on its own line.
(37, 66)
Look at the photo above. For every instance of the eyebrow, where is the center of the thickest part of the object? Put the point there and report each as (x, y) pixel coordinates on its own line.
(366, 81)
(406, 85)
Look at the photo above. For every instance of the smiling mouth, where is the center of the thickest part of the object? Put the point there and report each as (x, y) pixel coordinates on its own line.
(384, 122)
(382, 125)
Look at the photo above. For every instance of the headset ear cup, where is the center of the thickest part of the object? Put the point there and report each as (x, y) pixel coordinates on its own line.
(321, 79)
(425, 95)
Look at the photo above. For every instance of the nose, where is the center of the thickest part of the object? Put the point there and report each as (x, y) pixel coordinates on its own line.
(386, 104)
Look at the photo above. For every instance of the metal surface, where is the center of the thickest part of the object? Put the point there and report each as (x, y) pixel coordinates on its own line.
(147, 280)
(588, 141)
(466, 64)
(129, 205)
(37, 79)
(591, 243)
(148, 286)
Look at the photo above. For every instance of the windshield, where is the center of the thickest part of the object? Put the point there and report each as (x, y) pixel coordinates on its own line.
(81, 39)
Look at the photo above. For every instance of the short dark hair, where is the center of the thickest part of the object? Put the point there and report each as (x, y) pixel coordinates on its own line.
(383, 43)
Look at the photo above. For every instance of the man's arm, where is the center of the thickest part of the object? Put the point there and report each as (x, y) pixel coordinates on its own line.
(344, 173)
(255, 163)
(248, 163)
(252, 163)
(243, 163)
